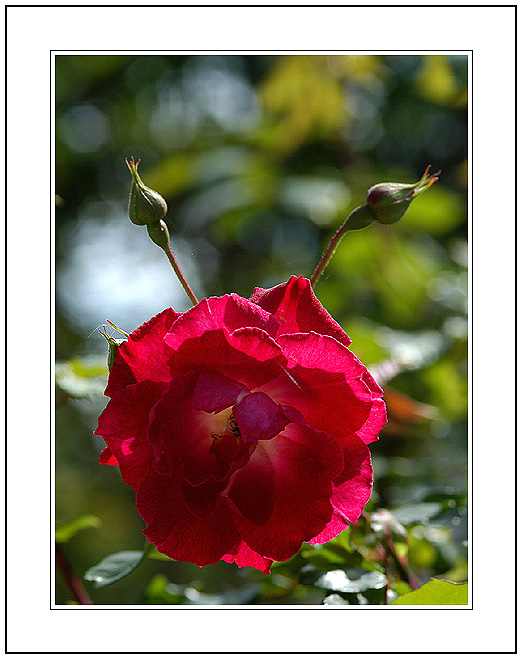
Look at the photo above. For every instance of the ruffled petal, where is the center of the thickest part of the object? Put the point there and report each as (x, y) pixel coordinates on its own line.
(142, 356)
(353, 487)
(245, 556)
(248, 356)
(175, 531)
(297, 309)
(230, 312)
(302, 489)
(374, 423)
(123, 426)
(329, 386)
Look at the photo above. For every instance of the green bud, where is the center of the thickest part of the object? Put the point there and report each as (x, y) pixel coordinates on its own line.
(359, 218)
(390, 201)
(159, 234)
(146, 206)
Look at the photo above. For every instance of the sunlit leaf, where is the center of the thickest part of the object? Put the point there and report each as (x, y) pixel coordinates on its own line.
(67, 530)
(436, 592)
(351, 580)
(420, 512)
(162, 592)
(335, 599)
(80, 378)
(114, 567)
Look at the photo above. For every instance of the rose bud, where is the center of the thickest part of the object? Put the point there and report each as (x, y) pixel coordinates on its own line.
(359, 218)
(146, 206)
(390, 201)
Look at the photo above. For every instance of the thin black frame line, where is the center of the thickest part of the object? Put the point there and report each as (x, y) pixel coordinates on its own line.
(266, 652)
(258, 6)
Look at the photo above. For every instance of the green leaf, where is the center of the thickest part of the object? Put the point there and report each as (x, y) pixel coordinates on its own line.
(351, 580)
(114, 567)
(330, 555)
(66, 531)
(154, 554)
(436, 592)
(160, 591)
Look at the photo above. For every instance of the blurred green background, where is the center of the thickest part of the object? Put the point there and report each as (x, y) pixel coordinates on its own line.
(260, 158)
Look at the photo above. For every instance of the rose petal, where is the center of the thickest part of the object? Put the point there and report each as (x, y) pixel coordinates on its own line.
(315, 351)
(176, 427)
(336, 525)
(245, 556)
(201, 464)
(142, 356)
(248, 356)
(230, 312)
(175, 531)
(329, 407)
(107, 457)
(328, 385)
(252, 488)
(258, 417)
(214, 458)
(374, 423)
(326, 447)
(202, 500)
(302, 489)
(123, 426)
(214, 392)
(297, 309)
(353, 487)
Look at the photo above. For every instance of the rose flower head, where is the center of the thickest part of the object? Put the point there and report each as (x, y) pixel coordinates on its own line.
(243, 425)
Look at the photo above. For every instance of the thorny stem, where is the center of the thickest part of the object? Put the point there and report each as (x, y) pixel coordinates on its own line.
(73, 581)
(180, 276)
(340, 232)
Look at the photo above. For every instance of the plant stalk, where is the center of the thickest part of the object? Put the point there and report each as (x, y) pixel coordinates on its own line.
(73, 582)
(180, 276)
(340, 232)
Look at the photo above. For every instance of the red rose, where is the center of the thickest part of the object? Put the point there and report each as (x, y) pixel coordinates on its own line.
(243, 426)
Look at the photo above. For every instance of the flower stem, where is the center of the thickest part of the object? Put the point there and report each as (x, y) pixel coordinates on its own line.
(180, 276)
(340, 232)
(73, 581)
